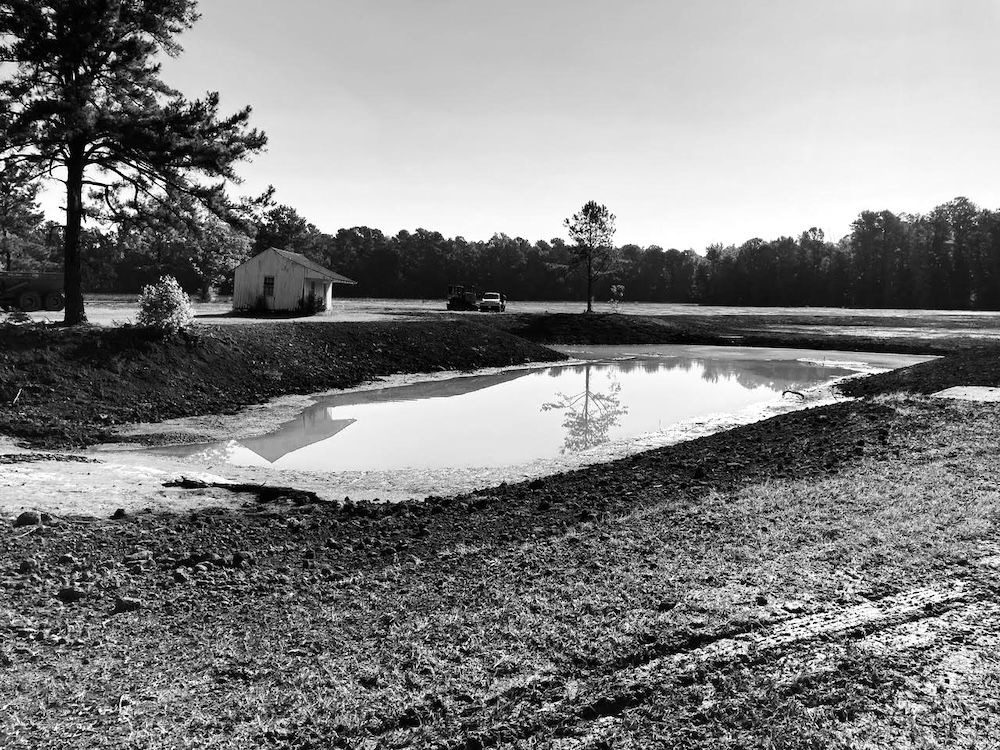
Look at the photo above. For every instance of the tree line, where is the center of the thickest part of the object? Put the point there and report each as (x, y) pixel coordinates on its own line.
(948, 258)
(145, 174)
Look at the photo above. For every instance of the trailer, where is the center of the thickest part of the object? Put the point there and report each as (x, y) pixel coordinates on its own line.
(31, 291)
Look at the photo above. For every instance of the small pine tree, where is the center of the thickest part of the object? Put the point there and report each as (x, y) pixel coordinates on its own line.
(165, 306)
(592, 230)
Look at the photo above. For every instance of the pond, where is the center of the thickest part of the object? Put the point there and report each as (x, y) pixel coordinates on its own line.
(609, 396)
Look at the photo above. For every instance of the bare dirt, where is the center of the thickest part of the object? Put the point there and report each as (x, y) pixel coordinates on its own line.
(621, 605)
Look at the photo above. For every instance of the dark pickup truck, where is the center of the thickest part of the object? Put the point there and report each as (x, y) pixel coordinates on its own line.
(461, 297)
(31, 291)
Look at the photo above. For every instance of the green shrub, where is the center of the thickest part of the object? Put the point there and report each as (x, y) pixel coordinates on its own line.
(164, 306)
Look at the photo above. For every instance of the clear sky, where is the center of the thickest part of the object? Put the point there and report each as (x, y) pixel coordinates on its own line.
(695, 122)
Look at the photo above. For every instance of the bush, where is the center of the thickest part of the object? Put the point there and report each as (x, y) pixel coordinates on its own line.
(165, 306)
(14, 316)
(617, 295)
(312, 304)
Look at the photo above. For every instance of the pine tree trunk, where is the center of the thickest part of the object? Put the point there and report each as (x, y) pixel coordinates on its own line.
(72, 281)
(590, 280)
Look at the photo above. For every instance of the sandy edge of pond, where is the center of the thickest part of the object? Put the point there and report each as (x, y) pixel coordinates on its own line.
(124, 475)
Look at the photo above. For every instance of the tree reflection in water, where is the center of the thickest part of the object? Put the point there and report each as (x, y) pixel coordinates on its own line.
(589, 416)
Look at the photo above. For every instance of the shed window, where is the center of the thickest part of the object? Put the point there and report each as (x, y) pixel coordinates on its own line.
(268, 286)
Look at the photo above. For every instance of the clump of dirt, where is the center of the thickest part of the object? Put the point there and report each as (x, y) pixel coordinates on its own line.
(62, 387)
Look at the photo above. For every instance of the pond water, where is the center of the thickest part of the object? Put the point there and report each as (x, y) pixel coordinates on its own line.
(515, 417)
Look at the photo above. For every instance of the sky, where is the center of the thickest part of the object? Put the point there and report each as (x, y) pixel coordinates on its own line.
(695, 122)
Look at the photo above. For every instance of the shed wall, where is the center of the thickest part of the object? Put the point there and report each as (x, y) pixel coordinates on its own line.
(289, 278)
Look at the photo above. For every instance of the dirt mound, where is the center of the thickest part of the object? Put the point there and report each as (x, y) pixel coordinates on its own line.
(61, 387)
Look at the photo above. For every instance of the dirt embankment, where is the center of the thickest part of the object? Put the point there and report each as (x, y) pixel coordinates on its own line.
(978, 367)
(63, 387)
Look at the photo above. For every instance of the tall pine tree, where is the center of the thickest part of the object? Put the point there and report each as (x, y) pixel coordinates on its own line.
(86, 105)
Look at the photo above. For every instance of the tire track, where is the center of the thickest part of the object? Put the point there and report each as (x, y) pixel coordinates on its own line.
(892, 623)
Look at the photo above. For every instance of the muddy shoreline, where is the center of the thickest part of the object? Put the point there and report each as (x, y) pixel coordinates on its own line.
(123, 386)
(61, 389)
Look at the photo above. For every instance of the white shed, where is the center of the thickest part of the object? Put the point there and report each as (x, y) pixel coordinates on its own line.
(282, 280)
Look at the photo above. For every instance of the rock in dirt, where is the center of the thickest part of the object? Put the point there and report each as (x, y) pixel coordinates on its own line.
(70, 595)
(28, 518)
(138, 559)
(119, 514)
(28, 566)
(126, 604)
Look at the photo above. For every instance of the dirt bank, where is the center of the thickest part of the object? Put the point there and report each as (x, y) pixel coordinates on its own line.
(64, 387)
(976, 366)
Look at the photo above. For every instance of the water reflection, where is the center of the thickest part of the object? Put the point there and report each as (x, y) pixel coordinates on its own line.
(748, 373)
(517, 417)
(589, 415)
(312, 426)
(322, 420)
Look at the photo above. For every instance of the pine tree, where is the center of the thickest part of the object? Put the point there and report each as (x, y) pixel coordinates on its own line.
(592, 229)
(86, 105)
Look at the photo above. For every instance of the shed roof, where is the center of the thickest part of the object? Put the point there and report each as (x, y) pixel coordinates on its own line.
(302, 260)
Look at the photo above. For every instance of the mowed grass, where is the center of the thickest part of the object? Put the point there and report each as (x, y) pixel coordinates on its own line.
(610, 633)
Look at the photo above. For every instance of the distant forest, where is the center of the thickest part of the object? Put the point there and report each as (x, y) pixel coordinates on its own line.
(948, 258)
